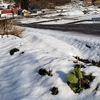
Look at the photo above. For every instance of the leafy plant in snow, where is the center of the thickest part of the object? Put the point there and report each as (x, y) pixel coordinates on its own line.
(78, 81)
(82, 60)
(96, 63)
(49, 73)
(54, 90)
(74, 80)
(79, 66)
(42, 72)
(45, 72)
(12, 51)
(86, 80)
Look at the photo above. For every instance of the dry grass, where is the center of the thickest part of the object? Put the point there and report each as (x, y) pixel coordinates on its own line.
(10, 27)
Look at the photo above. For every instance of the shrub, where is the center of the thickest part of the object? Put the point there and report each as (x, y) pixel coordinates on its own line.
(82, 60)
(96, 63)
(79, 66)
(10, 27)
(45, 72)
(49, 73)
(78, 81)
(13, 51)
(42, 72)
(54, 91)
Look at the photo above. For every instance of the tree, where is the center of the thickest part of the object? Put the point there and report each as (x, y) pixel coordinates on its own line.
(8, 1)
(25, 4)
(48, 3)
(17, 1)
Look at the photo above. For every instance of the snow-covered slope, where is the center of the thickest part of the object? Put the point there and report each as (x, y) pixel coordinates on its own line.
(54, 50)
(19, 78)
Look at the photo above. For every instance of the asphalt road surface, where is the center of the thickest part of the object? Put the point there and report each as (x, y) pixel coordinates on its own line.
(90, 29)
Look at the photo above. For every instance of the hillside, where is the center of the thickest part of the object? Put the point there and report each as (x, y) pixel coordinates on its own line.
(46, 64)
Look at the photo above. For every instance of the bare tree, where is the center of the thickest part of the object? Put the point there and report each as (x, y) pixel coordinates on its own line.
(47, 3)
(10, 27)
(8, 1)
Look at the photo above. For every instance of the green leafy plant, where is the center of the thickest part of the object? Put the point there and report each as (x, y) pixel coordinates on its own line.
(45, 72)
(54, 90)
(49, 73)
(13, 51)
(78, 81)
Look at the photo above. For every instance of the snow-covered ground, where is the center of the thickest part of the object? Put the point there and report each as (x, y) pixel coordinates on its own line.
(71, 12)
(19, 78)
(38, 48)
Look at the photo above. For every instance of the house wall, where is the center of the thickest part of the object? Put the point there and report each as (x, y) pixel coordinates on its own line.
(6, 11)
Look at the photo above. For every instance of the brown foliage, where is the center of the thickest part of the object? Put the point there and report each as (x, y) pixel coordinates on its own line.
(48, 3)
(10, 27)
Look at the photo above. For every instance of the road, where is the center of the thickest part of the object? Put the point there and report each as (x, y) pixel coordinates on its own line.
(90, 29)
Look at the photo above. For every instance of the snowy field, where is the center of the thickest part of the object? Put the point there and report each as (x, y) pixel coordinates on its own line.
(19, 77)
(71, 12)
(52, 50)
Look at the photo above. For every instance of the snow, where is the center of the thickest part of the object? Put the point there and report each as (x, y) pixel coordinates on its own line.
(64, 14)
(49, 49)
(45, 49)
(4, 4)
